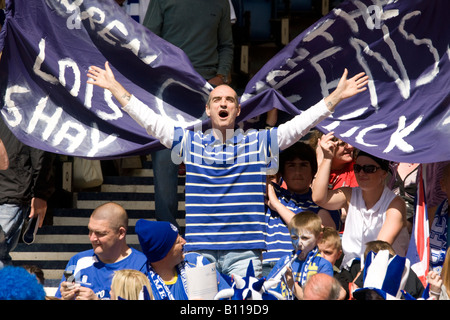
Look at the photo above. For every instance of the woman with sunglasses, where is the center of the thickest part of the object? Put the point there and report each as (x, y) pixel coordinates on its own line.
(374, 212)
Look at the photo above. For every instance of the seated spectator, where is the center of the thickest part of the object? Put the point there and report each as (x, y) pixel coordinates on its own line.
(321, 286)
(433, 173)
(374, 212)
(36, 271)
(330, 246)
(93, 269)
(298, 165)
(413, 286)
(166, 260)
(341, 173)
(403, 181)
(16, 283)
(294, 269)
(384, 277)
(128, 284)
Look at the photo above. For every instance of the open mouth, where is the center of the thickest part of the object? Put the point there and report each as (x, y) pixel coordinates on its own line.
(223, 114)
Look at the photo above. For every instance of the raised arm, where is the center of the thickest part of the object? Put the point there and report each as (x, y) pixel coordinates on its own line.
(394, 222)
(105, 79)
(156, 125)
(321, 195)
(291, 131)
(346, 88)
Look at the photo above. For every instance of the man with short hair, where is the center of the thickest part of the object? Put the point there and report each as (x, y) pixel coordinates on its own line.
(226, 169)
(92, 270)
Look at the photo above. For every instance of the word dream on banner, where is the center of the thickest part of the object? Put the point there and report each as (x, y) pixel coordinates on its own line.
(403, 45)
(48, 47)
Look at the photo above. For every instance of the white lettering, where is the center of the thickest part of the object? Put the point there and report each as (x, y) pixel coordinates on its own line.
(402, 132)
(38, 64)
(69, 63)
(96, 143)
(360, 137)
(74, 140)
(11, 107)
(51, 121)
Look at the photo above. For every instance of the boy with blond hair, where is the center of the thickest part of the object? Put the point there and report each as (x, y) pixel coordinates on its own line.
(306, 232)
(330, 246)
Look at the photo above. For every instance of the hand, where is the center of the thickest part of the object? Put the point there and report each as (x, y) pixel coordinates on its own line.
(327, 145)
(84, 293)
(289, 278)
(68, 290)
(272, 199)
(38, 209)
(105, 79)
(435, 282)
(102, 78)
(347, 88)
(216, 81)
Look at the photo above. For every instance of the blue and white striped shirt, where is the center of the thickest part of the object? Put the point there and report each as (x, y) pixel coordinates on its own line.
(225, 182)
(225, 187)
(278, 237)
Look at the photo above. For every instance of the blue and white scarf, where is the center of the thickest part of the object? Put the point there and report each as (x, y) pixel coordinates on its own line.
(162, 291)
(302, 277)
(309, 258)
(438, 237)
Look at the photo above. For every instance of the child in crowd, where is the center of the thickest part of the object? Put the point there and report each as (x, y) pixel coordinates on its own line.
(298, 165)
(330, 246)
(128, 284)
(306, 232)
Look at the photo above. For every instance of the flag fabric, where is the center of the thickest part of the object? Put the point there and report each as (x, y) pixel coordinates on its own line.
(48, 47)
(403, 45)
(419, 246)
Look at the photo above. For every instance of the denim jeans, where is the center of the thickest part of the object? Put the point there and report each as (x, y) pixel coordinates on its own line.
(12, 218)
(165, 174)
(231, 262)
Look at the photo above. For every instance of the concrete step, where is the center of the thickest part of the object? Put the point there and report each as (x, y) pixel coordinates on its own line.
(54, 245)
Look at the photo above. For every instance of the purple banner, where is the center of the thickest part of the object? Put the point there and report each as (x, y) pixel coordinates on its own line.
(48, 47)
(402, 45)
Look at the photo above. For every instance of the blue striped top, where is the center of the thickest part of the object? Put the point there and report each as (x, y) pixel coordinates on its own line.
(278, 238)
(225, 187)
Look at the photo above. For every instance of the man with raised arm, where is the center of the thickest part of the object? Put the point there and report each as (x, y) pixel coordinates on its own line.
(226, 169)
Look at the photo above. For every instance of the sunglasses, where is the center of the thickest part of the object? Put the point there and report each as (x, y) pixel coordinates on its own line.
(367, 168)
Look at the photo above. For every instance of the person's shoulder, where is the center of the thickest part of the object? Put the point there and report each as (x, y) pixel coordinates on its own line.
(138, 255)
(193, 257)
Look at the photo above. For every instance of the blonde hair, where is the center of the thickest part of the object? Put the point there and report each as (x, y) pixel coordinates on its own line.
(306, 220)
(128, 283)
(331, 235)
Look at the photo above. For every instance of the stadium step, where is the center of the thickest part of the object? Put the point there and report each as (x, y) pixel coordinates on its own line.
(55, 244)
